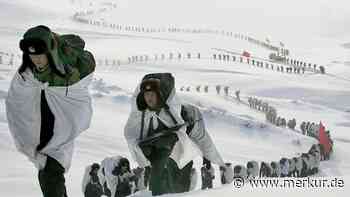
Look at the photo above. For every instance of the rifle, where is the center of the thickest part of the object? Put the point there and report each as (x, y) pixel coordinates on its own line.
(165, 132)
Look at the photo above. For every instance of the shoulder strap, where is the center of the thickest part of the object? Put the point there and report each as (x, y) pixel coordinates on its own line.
(142, 124)
(187, 119)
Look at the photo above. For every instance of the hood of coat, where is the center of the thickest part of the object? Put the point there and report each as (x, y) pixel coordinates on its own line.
(163, 84)
(173, 105)
(167, 92)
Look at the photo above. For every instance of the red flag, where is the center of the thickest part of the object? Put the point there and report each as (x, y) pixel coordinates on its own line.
(323, 138)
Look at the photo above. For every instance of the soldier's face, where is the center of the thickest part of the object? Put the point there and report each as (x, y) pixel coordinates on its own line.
(151, 99)
(40, 61)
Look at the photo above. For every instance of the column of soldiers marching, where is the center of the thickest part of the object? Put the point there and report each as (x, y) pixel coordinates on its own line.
(9, 59)
(271, 113)
(114, 177)
(307, 128)
(306, 164)
(81, 17)
(310, 129)
(218, 89)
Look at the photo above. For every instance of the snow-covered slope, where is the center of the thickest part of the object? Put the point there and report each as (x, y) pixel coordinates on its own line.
(311, 97)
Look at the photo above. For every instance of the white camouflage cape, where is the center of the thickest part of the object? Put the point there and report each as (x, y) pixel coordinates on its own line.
(185, 149)
(72, 110)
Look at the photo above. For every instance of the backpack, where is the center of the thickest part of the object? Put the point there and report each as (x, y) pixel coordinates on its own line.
(73, 48)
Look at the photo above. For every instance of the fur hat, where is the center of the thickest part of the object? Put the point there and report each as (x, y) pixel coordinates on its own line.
(37, 40)
(150, 84)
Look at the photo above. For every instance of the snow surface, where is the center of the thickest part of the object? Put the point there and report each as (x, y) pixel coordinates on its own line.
(310, 97)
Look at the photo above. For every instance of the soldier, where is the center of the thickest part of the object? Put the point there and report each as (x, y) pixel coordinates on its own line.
(276, 169)
(206, 89)
(226, 90)
(237, 95)
(240, 171)
(250, 102)
(226, 174)
(208, 175)
(218, 88)
(48, 103)
(161, 132)
(283, 122)
(260, 104)
(91, 183)
(265, 170)
(198, 88)
(278, 121)
(292, 169)
(298, 166)
(284, 164)
(252, 169)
